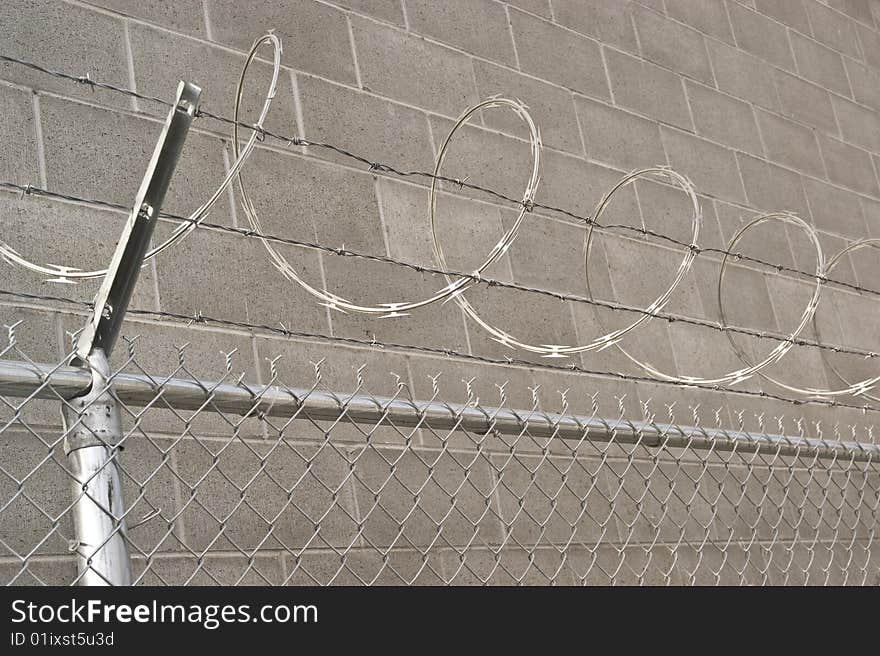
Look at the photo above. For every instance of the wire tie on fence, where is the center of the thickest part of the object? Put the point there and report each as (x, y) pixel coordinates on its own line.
(143, 520)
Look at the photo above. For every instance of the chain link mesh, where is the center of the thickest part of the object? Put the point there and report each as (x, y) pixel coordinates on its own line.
(225, 491)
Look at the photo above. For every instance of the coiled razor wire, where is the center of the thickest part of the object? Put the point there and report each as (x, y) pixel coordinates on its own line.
(61, 273)
(457, 286)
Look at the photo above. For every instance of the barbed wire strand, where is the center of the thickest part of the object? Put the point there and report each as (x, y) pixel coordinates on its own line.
(490, 282)
(380, 167)
(200, 318)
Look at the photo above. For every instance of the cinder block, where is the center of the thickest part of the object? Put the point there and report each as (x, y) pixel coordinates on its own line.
(577, 186)
(851, 306)
(870, 43)
(488, 159)
(705, 565)
(712, 168)
(860, 10)
(162, 58)
(801, 366)
(867, 270)
(834, 29)
(508, 566)
(368, 126)
(673, 45)
(554, 500)
(723, 118)
(831, 245)
(396, 567)
(608, 22)
(365, 567)
(479, 27)
(768, 244)
(420, 498)
(858, 124)
(703, 352)
(709, 17)
(612, 565)
(743, 75)
(648, 89)
(389, 10)
(745, 296)
(538, 7)
(773, 188)
(669, 404)
(650, 343)
(341, 367)
(820, 64)
(82, 237)
(871, 209)
(737, 503)
(805, 102)
(466, 230)
(628, 262)
(225, 570)
(557, 55)
(339, 370)
(791, 144)
(793, 14)
(621, 139)
(148, 480)
(175, 349)
(585, 394)
(186, 17)
(548, 255)
(835, 210)
(313, 211)
(848, 166)
(34, 338)
(19, 162)
(73, 133)
(550, 107)
(54, 571)
(436, 326)
(36, 489)
(407, 68)
(865, 82)
(220, 291)
(315, 36)
(668, 210)
(548, 321)
(761, 36)
(84, 42)
(643, 497)
(235, 493)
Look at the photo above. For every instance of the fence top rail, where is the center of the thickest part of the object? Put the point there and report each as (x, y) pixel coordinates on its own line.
(25, 379)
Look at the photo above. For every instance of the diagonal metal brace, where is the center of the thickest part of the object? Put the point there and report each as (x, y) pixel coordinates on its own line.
(92, 420)
(114, 295)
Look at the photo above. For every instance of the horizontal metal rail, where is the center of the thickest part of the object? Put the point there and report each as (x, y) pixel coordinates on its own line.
(23, 379)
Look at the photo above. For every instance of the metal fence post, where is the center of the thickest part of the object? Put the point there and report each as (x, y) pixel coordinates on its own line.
(92, 422)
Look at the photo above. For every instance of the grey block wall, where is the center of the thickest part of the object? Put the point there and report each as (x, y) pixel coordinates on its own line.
(764, 105)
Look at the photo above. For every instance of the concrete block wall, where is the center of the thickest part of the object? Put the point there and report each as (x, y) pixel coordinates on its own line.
(764, 105)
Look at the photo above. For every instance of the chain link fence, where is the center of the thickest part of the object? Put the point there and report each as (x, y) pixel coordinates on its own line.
(291, 481)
